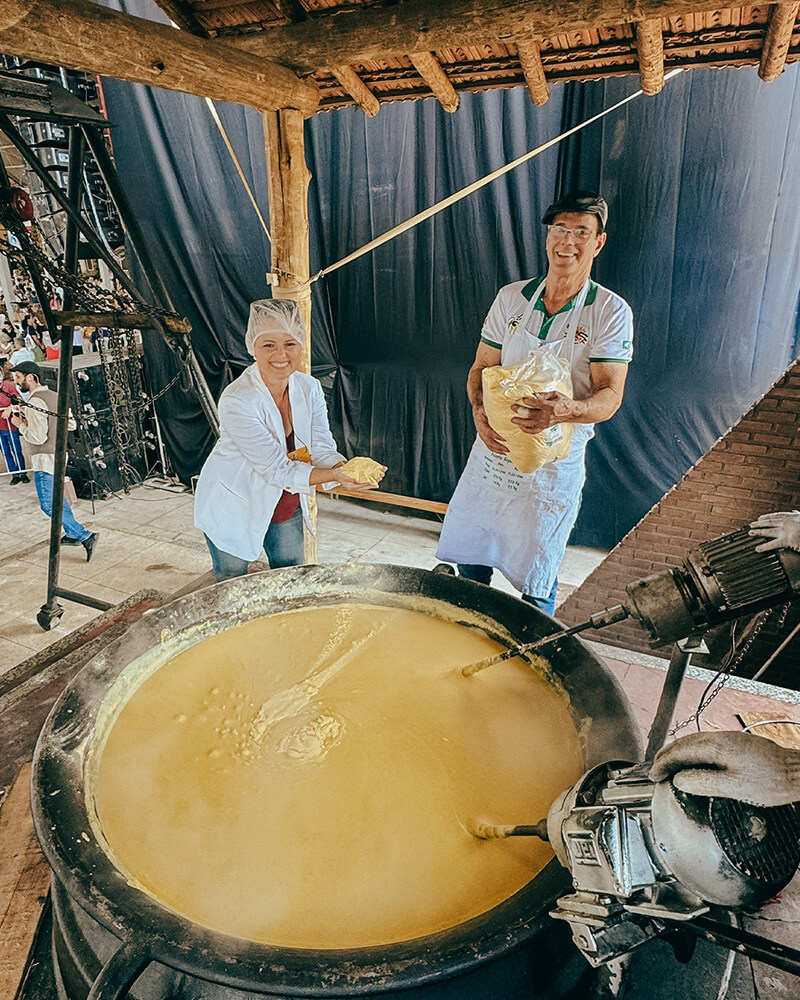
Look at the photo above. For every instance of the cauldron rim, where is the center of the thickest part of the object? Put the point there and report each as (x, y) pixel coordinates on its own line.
(87, 872)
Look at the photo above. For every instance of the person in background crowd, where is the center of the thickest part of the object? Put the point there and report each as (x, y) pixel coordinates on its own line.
(9, 434)
(77, 340)
(20, 353)
(38, 428)
(37, 346)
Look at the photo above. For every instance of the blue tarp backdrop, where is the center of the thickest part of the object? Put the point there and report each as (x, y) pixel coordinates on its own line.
(704, 242)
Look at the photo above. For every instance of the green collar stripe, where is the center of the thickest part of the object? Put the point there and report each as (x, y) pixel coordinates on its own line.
(534, 283)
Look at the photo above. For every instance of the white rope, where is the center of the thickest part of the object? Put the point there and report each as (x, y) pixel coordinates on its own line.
(212, 108)
(439, 206)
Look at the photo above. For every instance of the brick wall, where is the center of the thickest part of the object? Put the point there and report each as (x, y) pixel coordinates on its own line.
(753, 469)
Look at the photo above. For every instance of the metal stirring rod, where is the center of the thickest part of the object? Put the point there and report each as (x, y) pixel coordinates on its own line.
(490, 661)
(608, 617)
(485, 831)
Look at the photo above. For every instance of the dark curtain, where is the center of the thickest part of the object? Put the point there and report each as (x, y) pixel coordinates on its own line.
(704, 242)
(407, 316)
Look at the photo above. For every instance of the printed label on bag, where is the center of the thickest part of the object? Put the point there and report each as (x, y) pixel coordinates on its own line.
(553, 435)
(500, 473)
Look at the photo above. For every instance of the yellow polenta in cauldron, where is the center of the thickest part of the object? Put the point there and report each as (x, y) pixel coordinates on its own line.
(309, 779)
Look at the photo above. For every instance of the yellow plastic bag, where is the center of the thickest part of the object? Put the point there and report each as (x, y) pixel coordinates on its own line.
(503, 386)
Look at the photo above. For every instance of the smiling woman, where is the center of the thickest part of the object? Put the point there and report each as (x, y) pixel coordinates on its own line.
(275, 448)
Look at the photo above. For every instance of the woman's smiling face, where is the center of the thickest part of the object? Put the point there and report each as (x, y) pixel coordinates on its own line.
(277, 355)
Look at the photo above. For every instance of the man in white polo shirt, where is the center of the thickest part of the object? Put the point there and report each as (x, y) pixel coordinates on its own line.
(500, 518)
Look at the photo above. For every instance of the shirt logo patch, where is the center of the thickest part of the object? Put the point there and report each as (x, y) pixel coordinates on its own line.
(581, 335)
(513, 323)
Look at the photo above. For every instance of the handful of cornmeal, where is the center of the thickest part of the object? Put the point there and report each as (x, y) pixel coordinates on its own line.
(544, 371)
(363, 470)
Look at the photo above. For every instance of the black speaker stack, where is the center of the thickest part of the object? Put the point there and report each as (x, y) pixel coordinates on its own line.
(104, 454)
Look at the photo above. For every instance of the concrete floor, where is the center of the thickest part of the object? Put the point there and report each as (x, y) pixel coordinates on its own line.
(147, 541)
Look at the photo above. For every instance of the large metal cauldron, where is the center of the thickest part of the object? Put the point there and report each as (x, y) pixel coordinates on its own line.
(105, 928)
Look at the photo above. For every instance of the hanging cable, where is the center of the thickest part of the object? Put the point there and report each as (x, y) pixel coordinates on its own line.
(212, 108)
(452, 199)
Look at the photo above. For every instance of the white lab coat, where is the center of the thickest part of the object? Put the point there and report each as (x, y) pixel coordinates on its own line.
(244, 476)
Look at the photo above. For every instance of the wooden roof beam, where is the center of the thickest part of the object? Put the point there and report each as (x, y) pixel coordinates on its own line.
(83, 36)
(368, 33)
(530, 59)
(778, 38)
(357, 89)
(430, 69)
(650, 46)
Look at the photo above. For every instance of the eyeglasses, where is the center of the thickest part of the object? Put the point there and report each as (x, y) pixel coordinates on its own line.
(581, 235)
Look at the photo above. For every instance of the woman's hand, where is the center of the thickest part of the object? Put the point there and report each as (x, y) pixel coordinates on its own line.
(319, 476)
(354, 484)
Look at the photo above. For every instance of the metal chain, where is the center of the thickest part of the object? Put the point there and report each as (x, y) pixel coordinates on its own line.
(86, 293)
(93, 298)
(106, 409)
(730, 668)
(115, 376)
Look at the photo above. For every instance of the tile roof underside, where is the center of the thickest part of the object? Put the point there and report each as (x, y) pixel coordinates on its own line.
(727, 37)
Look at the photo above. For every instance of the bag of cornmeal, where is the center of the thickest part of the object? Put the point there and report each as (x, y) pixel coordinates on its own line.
(543, 371)
(363, 470)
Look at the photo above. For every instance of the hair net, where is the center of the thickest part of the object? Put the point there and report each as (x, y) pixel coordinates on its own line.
(271, 316)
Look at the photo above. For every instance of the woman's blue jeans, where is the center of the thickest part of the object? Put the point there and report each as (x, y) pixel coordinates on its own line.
(12, 450)
(283, 544)
(44, 489)
(483, 574)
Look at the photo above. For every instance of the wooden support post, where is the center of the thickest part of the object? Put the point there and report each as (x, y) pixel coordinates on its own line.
(650, 46)
(430, 69)
(357, 89)
(392, 499)
(288, 178)
(782, 19)
(531, 61)
(24, 881)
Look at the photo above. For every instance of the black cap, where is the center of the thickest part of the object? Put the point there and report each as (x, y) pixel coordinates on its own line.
(578, 201)
(28, 368)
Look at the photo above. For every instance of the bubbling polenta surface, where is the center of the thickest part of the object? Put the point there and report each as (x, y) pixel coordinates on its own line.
(309, 779)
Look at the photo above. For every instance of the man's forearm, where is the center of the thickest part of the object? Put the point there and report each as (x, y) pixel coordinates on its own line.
(600, 406)
(475, 386)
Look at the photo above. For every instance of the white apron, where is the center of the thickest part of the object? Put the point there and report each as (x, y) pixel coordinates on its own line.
(503, 518)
